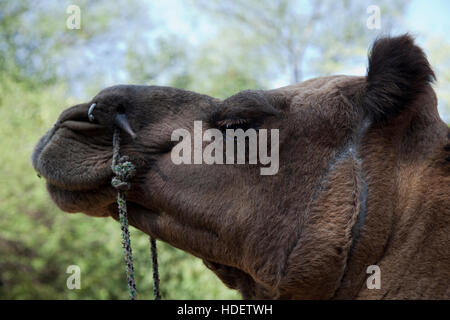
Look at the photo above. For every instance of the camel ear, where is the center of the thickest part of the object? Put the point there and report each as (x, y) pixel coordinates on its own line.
(398, 73)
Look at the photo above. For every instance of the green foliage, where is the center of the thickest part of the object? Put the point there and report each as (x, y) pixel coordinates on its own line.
(297, 37)
(223, 68)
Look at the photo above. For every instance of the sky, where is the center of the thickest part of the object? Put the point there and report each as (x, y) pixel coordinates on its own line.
(422, 17)
(425, 19)
(430, 17)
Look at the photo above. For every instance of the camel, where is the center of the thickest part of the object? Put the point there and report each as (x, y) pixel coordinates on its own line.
(363, 180)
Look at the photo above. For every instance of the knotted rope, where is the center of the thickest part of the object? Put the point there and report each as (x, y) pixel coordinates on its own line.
(124, 170)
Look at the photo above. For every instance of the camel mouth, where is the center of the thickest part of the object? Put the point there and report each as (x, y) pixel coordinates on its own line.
(77, 125)
(65, 161)
(74, 158)
(77, 175)
(94, 202)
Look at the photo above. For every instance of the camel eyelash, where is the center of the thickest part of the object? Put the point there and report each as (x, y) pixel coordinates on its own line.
(217, 120)
(227, 123)
(235, 124)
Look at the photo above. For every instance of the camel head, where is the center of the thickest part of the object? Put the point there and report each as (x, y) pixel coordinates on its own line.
(348, 154)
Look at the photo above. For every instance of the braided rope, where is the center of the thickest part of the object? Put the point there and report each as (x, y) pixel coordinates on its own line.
(154, 254)
(124, 170)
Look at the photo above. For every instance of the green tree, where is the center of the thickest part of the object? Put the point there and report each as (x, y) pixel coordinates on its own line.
(302, 37)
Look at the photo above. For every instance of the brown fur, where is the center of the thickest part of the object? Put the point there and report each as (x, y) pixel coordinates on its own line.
(363, 180)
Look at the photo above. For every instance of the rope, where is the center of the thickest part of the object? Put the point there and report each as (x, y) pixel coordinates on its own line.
(124, 170)
(154, 254)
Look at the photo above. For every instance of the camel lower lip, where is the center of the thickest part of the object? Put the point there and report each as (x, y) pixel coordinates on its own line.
(64, 189)
(73, 187)
(91, 200)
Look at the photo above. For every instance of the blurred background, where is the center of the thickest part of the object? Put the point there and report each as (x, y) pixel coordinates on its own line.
(212, 47)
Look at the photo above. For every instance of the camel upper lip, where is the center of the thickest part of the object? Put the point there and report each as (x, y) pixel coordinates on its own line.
(80, 125)
(76, 119)
(78, 112)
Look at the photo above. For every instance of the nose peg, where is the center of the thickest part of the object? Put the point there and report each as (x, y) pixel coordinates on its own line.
(121, 121)
(90, 115)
